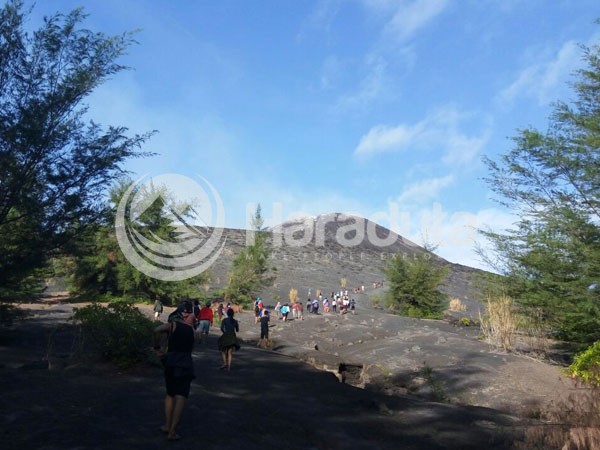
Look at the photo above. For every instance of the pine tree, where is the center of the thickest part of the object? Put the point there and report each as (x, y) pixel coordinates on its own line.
(414, 285)
(551, 179)
(251, 272)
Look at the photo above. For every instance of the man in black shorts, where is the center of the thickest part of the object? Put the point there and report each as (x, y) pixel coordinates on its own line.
(177, 361)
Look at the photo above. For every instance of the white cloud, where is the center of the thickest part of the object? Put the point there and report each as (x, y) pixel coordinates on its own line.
(464, 149)
(373, 86)
(425, 189)
(382, 138)
(404, 18)
(455, 233)
(320, 19)
(439, 131)
(541, 80)
(410, 17)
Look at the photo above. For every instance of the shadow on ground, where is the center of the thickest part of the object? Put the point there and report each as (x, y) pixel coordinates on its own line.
(268, 401)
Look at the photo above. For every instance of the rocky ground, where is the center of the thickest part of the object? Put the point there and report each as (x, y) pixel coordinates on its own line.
(410, 385)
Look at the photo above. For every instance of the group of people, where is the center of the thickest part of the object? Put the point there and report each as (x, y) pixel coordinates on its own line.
(190, 323)
(176, 353)
(339, 302)
(201, 317)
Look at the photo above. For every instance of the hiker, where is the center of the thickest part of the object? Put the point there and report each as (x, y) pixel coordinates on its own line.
(206, 320)
(220, 311)
(278, 310)
(315, 306)
(309, 305)
(178, 365)
(256, 310)
(158, 309)
(196, 313)
(353, 306)
(228, 342)
(285, 310)
(295, 309)
(264, 328)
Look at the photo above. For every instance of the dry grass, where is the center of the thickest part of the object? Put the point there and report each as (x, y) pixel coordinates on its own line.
(572, 424)
(499, 326)
(457, 305)
(534, 330)
(293, 295)
(343, 282)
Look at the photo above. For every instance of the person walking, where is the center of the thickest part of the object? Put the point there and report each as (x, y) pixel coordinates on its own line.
(285, 310)
(264, 328)
(178, 365)
(158, 309)
(228, 342)
(206, 320)
(278, 310)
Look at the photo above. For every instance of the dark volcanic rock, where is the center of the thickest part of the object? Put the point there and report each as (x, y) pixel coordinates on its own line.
(315, 253)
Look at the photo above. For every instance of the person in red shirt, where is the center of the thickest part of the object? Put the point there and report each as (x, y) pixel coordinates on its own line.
(206, 320)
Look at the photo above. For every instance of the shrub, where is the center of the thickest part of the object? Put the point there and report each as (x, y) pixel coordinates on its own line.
(499, 326)
(465, 321)
(586, 365)
(119, 331)
(377, 301)
(414, 286)
(293, 295)
(457, 305)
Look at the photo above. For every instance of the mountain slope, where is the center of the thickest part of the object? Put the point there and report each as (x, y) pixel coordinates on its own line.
(315, 253)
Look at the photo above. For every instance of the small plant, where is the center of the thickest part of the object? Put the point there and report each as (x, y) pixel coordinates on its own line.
(586, 365)
(465, 321)
(293, 295)
(119, 331)
(456, 305)
(377, 301)
(436, 385)
(499, 326)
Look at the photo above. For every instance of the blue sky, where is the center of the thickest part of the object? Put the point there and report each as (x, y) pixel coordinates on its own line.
(379, 108)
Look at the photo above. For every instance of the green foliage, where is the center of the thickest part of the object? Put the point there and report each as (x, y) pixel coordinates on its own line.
(54, 164)
(251, 271)
(586, 365)
(414, 283)
(436, 386)
(102, 269)
(465, 321)
(550, 180)
(119, 331)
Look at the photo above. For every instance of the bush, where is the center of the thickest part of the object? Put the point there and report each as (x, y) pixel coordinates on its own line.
(414, 286)
(586, 365)
(119, 331)
(499, 326)
(457, 305)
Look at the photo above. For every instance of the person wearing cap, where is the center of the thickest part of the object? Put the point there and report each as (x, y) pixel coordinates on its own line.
(178, 364)
(206, 320)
